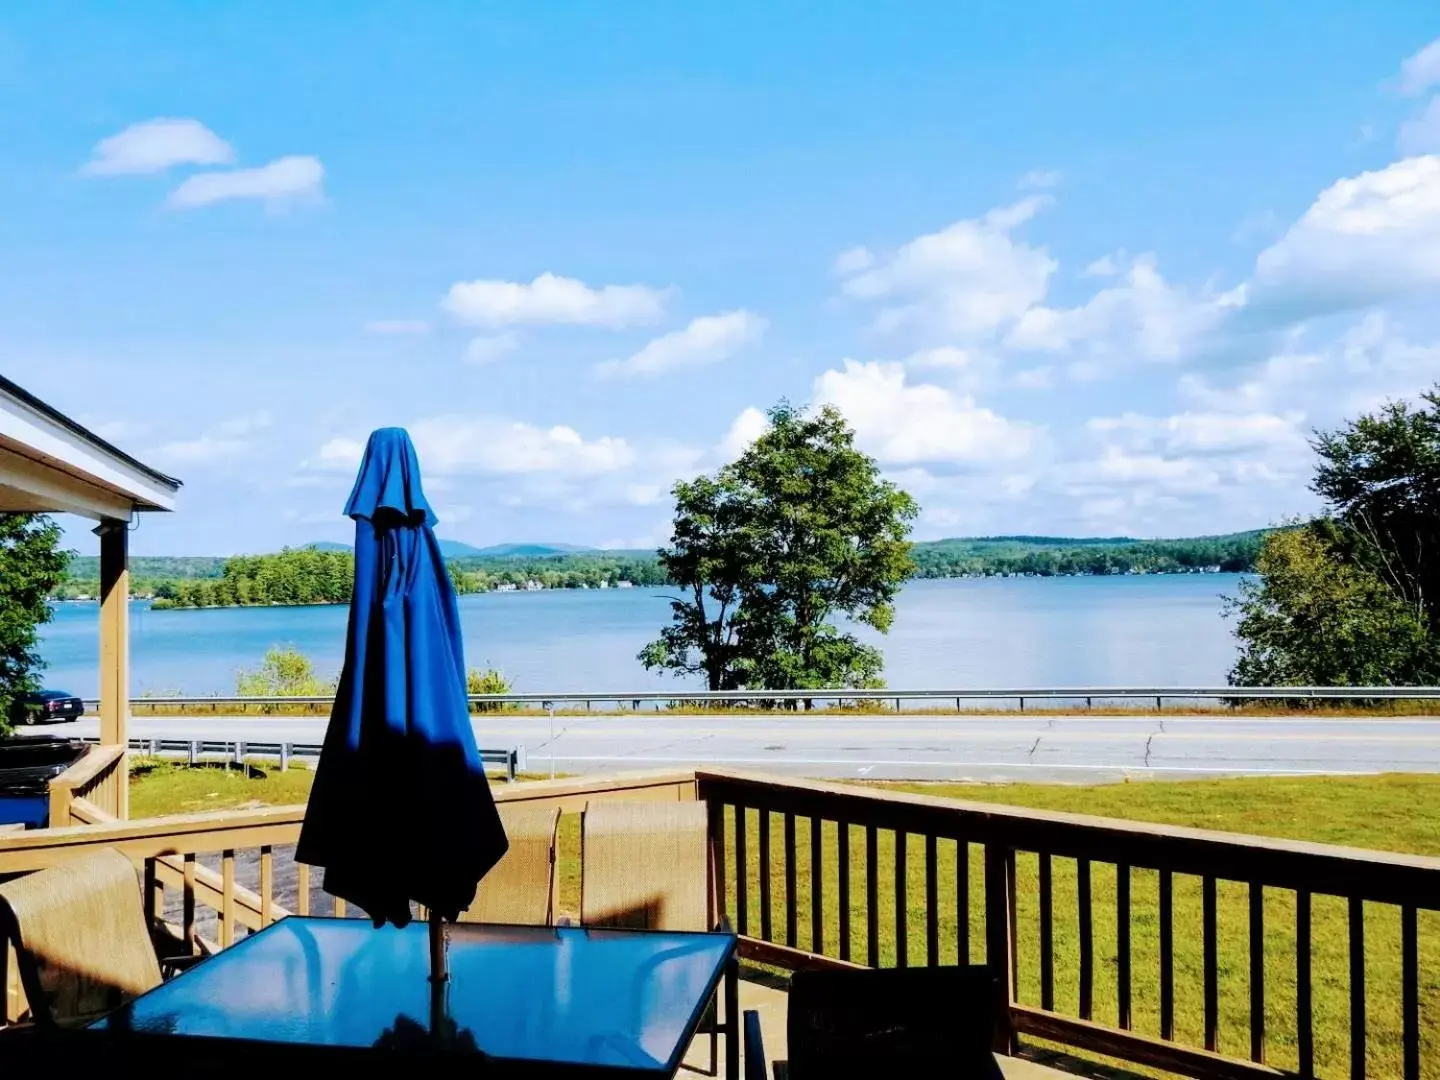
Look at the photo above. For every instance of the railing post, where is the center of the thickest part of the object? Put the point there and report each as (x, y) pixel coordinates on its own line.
(61, 794)
(1000, 938)
(286, 749)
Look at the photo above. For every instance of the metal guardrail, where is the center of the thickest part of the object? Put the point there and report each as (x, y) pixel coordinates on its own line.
(1088, 694)
(238, 750)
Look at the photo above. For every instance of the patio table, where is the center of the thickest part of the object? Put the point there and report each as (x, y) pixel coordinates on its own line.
(524, 1001)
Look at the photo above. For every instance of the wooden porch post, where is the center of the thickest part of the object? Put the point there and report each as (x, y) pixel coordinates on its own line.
(115, 648)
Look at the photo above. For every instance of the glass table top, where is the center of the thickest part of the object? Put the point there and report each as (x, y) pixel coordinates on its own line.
(563, 994)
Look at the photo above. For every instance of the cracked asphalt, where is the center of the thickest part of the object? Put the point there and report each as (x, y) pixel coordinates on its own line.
(1078, 748)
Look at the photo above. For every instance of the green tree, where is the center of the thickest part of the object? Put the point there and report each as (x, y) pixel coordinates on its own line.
(1349, 597)
(1380, 477)
(1313, 618)
(486, 681)
(285, 672)
(32, 566)
(797, 533)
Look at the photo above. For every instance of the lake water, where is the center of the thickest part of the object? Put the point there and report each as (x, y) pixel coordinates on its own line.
(988, 632)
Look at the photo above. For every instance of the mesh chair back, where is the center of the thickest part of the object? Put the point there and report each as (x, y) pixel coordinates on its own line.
(81, 941)
(646, 866)
(520, 888)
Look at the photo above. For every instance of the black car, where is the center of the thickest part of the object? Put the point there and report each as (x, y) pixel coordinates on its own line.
(46, 706)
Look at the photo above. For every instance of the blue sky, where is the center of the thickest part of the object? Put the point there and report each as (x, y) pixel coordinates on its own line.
(1082, 269)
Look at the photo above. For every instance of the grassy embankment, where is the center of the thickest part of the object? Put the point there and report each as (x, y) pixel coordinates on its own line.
(1395, 813)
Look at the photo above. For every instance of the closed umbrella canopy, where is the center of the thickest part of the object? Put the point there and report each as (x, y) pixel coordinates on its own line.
(400, 810)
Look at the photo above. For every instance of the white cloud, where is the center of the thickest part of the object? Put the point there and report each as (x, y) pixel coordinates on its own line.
(228, 439)
(342, 452)
(744, 430)
(295, 177)
(1143, 316)
(553, 299)
(1421, 71)
(945, 356)
(462, 444)
(1421, 133)
(918, 424)
(1366, 239)
(156, 145)
(1041, 178)
(1263, 225)
(706, 340)
(1205, 434)
(1106, 265)
(970, 279)
(1036, 378)
(397, 326)
(853, 260)
(644, 494)
(488, 349)
(1276, 380)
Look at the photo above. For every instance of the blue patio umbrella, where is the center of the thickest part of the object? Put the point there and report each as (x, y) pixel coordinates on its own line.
(400, 810)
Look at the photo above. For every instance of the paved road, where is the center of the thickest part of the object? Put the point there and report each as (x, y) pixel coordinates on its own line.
(1068, 748)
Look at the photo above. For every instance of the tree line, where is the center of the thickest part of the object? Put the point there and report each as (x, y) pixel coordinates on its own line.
(310, 575)
(1063, 556)
(321, 576)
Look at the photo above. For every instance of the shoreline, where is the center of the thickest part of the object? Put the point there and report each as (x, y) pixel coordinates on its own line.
(1004, 575)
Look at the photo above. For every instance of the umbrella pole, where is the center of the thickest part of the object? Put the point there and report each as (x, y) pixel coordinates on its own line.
(439, 979)
(439, 961)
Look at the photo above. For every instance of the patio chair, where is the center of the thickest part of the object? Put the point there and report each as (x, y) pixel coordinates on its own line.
(646, 866)
(520, 889)
(82, 945)
(932, 1022)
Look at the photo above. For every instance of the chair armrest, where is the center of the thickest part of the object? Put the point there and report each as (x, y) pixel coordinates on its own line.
(755, 1062)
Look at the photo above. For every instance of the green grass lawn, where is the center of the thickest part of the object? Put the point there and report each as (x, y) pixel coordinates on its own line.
(1394, 813)
(159, 787)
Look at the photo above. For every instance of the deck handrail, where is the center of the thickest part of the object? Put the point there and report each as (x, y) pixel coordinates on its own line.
(94, 778)
(809, 903)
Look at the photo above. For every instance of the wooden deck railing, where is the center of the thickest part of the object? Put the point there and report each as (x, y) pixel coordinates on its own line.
(1207, 946)
(89, 791)
(1202, 953)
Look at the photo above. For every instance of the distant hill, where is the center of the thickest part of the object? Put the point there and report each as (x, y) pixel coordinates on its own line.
(512, 551)
(458, 549)
(954, 557)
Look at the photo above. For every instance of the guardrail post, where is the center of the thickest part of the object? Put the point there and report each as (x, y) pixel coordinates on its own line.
(240, 753)
(510, 763)
(285, 751)
(194, 753)
(1022, 704)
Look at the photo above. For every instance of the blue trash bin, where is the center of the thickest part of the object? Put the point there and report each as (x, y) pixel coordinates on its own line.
(27, 765)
